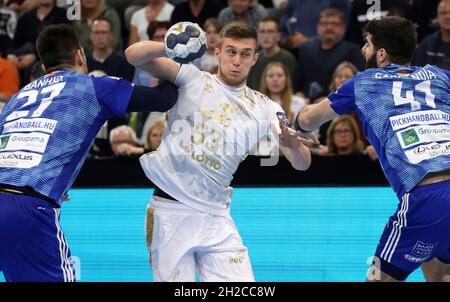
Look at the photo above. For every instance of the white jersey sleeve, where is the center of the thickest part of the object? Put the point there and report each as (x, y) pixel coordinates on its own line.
(189, 80)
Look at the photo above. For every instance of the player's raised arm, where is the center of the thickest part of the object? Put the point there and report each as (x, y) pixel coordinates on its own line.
(312, 116)
(151, 57)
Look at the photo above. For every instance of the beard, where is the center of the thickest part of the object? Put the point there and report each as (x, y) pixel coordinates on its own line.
(372, 61)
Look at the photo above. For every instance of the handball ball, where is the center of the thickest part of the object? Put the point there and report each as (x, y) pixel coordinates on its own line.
(185, 42)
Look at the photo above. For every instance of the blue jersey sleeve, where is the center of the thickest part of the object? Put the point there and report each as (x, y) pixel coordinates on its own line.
(447, 73)
(343, 100)
(113, 93)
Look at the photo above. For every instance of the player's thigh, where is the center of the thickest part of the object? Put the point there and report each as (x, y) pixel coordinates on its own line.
(169, 238)
(36, 248)
(415, 233)
(436, 270)
(225, 266)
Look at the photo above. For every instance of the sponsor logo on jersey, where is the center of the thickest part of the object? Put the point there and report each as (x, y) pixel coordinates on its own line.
(21, 160)
(428, 151)
(36, 142)
(421, 252)
(34, 124)
(4, 141)
(409, 137)
(424, 134)
(427, 117)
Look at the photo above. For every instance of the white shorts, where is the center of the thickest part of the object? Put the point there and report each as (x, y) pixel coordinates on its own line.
(183, 241)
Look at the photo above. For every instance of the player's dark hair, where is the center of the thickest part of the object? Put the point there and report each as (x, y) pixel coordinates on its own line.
(238, 30)
(57, 45)
(396, 35)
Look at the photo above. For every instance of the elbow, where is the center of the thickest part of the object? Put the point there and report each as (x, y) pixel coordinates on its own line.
(302, 166)
(130, 54)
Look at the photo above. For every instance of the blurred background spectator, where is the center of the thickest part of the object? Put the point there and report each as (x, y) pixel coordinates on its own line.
(155, 10)
(343, 72)
(362, 11)
(435, 48)
(102, 56)
(423, 14)
(30, 24)
(154, 136)
(124, 142)
(276, 84)
(91, 10)
(268, 38)
(208, 61)
(318, 58)
(8, 23)
(343, 137)
(9, 81)
(196, 11)
(300, 17)
(249, 11)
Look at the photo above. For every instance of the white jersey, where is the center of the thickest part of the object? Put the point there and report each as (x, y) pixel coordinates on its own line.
(210, 130)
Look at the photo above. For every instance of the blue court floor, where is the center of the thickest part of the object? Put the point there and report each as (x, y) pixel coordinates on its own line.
(293, 234)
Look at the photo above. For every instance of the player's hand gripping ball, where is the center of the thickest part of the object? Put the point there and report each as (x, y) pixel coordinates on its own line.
(185, 42)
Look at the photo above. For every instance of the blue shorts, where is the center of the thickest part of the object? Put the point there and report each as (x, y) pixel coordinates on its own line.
(32, 243)
(418, 231)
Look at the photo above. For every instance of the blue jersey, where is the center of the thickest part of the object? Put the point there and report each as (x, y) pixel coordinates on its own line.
(405, 113)
(49, 126)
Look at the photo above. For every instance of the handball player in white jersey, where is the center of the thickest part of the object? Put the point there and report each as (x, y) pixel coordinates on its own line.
(212, 127)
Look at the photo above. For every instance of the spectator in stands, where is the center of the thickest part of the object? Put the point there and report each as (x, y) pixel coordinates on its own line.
(343, 137)
(154, 136)
(300, 17)
(156, 10)
(249, 11)
(28, 27)
(435, 48)
(318, 58)
(9, 80)
(8, 23)
(423, 14)
(103, 57)
(21, 6)
(124, 142)
(343, 72)
(140, 122)
(196, 11)
(156, 30)
(126, 8)
(91, 10)
(208, 61)
(362, 11)
(276, 84)
(268, 38)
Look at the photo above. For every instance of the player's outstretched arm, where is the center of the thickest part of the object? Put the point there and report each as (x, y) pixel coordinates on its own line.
(151, 57)
(293, 147)
(159, 98)
(313, 116)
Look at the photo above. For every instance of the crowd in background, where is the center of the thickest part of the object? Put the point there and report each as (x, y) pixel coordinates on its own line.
(307, 49)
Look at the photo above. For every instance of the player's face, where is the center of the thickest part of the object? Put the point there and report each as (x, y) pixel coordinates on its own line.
(236, 58)
(343, 136)
(268, 35)
(276, 79)
(369, 53)
(90, 3)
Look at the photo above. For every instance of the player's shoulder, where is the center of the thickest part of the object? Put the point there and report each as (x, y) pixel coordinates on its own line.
(260, 97)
